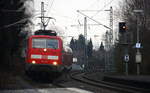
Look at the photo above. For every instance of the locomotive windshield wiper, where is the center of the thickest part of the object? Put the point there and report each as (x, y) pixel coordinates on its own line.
(52, 46)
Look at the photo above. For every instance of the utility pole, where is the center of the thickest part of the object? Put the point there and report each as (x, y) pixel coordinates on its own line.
(111, 35)
(111, 25)
(110, 38)
(85, 45)
(110, 41)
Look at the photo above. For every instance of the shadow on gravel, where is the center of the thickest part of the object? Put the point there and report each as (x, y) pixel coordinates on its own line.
(16, 79)
(43, 77)
(47, 80)
(9, 81)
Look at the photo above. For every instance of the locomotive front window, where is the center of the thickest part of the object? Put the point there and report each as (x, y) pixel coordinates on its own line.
(45, 43)
(52, 43)
(38, 43)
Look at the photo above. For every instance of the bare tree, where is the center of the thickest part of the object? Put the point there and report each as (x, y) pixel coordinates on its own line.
(130, 18)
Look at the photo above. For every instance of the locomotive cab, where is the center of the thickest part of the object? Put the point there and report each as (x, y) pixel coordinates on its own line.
(44, 52)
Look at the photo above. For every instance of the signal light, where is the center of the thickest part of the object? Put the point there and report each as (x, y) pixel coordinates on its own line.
(122, 27)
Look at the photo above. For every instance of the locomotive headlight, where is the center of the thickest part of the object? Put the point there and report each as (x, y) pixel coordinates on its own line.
(45, 49)
(33, 62)
(55, 63)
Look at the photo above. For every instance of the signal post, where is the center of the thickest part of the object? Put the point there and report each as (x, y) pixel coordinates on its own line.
(138, 56)
(123, 32)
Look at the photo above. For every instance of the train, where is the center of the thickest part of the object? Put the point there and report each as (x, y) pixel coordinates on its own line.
(45, 52)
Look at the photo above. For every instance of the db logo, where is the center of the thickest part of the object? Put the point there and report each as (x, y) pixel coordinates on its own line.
(44, 57)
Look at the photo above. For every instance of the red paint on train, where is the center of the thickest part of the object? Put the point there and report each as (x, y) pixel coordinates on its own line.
(44, 50)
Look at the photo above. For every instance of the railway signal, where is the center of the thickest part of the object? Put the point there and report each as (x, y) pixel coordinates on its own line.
(122, 27)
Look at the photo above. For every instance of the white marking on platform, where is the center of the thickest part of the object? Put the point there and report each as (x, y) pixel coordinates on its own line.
(79, 90)
(46, 90)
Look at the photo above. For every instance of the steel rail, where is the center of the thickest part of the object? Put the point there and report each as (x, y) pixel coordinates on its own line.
(108, 85)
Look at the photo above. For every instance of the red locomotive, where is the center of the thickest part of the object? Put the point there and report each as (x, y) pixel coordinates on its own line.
(45, 52)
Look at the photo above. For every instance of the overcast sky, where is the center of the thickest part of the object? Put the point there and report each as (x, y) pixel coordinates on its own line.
(65, 13)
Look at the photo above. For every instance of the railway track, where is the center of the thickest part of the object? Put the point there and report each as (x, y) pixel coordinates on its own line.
(121, 88)
(58, 86)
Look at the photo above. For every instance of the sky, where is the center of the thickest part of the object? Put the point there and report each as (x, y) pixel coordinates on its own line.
(68, 19)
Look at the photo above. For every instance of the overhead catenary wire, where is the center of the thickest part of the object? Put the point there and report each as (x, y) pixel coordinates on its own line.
(95, 2)
(49, 8)
(15, 23)
(102, 8)
(93, 20)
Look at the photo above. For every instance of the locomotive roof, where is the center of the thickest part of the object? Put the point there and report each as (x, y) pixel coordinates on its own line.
(45, 32)
(42, 36)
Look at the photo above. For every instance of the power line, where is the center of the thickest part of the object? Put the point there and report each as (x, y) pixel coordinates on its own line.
(15, 23)
(102, 8)
(98, 10)
(49, 8)
(93, 20)
(92, 4)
